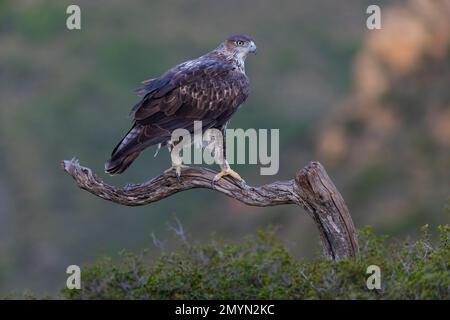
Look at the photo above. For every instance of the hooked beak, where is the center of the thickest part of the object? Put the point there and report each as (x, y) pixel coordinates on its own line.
(253, 48)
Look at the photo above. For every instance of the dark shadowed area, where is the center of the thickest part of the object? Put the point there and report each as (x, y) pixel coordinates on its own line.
(372, 106)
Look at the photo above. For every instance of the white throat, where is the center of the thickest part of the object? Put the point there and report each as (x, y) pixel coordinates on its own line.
(239, 59)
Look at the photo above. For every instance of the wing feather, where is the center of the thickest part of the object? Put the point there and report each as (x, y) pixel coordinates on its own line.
(205, 90)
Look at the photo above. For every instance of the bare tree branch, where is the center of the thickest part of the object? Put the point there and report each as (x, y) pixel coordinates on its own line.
(311, 189)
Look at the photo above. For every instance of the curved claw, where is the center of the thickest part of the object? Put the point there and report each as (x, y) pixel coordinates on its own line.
(224, 173)
(177, 171)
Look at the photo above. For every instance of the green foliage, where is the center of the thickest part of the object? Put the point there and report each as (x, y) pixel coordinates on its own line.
(262, 268)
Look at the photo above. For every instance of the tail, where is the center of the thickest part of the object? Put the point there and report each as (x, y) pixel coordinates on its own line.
(117, 165)
(125, 152)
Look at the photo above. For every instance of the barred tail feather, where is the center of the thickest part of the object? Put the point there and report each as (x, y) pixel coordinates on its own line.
(117, 165)
(122, 156)
(130, 147)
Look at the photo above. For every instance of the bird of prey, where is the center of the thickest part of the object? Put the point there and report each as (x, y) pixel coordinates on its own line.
(209, 89)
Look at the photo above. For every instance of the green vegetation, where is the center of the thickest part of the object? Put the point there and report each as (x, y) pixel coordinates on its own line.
(262, 268)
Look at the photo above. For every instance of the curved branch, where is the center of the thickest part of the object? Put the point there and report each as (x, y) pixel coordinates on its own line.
(311, 189)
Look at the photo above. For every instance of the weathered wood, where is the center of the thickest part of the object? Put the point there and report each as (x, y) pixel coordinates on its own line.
(328, 209)
(311, 189)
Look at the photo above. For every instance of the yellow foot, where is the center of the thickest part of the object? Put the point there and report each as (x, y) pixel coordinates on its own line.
(177, 168)
(228, 172)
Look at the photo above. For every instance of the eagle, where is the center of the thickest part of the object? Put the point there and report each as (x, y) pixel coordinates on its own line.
(209, 89)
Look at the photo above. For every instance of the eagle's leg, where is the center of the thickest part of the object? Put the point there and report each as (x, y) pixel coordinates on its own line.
(224, 165)
(176, 161)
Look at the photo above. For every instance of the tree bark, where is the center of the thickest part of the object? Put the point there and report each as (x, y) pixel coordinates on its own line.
(311, 189)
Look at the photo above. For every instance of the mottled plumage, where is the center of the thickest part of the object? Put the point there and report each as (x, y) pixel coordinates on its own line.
(209, 89)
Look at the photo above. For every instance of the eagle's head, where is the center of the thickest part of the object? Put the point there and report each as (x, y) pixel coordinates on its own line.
(238, 47)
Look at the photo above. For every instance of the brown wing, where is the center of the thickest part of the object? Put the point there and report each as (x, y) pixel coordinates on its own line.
(196, 90)
(206, 90)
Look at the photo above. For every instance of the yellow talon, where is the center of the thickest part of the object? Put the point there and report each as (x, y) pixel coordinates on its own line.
(228, 172)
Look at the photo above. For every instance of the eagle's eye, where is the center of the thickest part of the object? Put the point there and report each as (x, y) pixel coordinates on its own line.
(239, 42)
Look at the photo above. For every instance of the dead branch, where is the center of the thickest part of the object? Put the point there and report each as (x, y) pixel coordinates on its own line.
(311, 189)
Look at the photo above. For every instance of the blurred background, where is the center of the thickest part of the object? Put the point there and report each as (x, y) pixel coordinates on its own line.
(372, 106)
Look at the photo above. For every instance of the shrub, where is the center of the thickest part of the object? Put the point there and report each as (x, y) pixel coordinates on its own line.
(261, 268)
